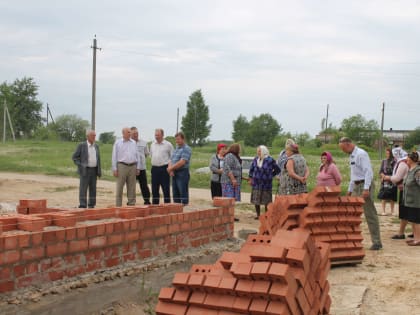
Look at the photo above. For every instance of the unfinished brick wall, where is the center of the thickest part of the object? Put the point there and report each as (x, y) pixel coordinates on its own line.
(42, 244)
(328, 216)
(281, 274)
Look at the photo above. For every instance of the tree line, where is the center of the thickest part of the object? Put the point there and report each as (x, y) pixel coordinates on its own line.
(21, 98)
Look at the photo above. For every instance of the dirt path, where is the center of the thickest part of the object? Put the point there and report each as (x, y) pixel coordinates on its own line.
(387, 282)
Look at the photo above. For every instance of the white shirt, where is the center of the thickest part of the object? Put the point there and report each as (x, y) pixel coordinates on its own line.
(360, 168)
(161, 153)
(91, 155)
(143, 153)
(125, 152)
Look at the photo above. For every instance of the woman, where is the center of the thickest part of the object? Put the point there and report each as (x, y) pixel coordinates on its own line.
(328, 174)
(412, 196)
(216, 168)
(261, 173)
(398, 174)
(232, 173)
(293, 179)
(388, 191)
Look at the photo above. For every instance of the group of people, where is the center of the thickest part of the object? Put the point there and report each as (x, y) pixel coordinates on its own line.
(129, 155)
(398, 171)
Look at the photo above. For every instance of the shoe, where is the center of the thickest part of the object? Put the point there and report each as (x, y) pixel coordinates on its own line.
(410, 235)
(414, 243)
(376, 247)
(256, 218)
(236, 219)
(409, 241)
(398, 237)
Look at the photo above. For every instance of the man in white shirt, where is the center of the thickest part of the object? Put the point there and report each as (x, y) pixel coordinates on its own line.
(125, 167)
(88, 161)
(143, 154)
(362, 184)
(160, 152)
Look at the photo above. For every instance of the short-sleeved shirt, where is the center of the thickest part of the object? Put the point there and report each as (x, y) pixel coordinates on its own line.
(182, 153)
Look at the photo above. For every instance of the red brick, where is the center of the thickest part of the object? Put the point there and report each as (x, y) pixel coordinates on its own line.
(227, 285)
(5, 273)
(78, 245)
(97, 242)
(223, 202)
(64, 220)
(7, 286)
(33, 203)
(197, 297)
(196, 280)
(258, 307)
(260, 288)
(277, 308)
(197, 310)
(58, 249)
(241, 304)
(241, 270)
(302, 301)
(181, 296)
(180, 280)
(299, 258)
(33, 253)
(9, 223)
(10, 241)
(211, 283)
(165, 308)
(228, 258)
(244, 287)
(31, 223)
(111, 262)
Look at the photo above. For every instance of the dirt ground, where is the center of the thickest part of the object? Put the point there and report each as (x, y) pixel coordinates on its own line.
(386, 282)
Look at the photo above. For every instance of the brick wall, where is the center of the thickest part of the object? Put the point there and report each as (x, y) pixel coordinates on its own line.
(41, 244)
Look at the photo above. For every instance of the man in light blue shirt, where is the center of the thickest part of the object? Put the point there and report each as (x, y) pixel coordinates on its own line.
(362, 184)
(125, 167)
(179, 169)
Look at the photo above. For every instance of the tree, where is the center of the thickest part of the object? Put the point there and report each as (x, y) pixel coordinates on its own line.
(195, 122)
(70, 127)
(107, 137)
(240, 128)
(24, 107)
(413, 140)
(262, 130)
(361, 130)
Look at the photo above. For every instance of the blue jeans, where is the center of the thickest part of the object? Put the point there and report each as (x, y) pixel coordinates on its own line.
(160, 178)
(180, 186)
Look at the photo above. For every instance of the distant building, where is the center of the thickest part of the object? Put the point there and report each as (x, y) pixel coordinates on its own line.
(396, 137)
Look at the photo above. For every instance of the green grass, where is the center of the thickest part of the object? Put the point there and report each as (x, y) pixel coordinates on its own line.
(54, 158)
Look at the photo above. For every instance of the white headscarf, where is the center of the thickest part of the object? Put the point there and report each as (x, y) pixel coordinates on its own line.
(263, 154)
(399, 153)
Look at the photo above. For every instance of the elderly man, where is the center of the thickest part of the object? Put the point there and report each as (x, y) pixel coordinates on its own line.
(362, 184)
(179, 169)
(125, 167)
(88, 161)
(161, 152)
(143, 153)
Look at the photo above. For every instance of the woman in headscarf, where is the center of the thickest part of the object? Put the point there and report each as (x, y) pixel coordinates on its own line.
(295, 173)
(261, 173)
(388, 191)
(328, 174)
(216, 168)
(232, 173)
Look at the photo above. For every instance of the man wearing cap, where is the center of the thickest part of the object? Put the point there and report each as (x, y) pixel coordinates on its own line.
(216, 169)
(125, 167)
(362, 184)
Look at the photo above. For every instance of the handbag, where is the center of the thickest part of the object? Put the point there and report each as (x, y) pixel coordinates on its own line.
(386, 192)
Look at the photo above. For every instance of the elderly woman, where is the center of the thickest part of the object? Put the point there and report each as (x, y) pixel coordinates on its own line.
(261, 173)
(216, 168)
(388, 191)
(328, 174)
(411, 192)
(293, 178)
(232, 173)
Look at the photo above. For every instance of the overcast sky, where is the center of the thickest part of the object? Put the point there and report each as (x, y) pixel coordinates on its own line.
(286, 58)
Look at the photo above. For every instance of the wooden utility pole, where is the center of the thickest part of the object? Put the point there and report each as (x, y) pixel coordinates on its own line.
(6, 113)
(381, 139)
(326, 125)
(94, 47)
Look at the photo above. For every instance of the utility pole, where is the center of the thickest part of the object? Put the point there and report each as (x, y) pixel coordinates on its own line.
(326, 124)
(177, 119)
(6, 113)
(49, 114)
(381, 139)
(94, 47)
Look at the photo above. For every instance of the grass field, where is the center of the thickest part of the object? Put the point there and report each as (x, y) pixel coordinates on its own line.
(54, 158)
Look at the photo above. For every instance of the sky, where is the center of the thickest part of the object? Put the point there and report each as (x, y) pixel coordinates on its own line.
(290, 59)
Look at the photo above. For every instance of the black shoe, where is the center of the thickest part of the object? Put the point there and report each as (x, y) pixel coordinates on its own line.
(376, 247)
(257, 218)
(410, 235)
(236, 219)
(398, 237)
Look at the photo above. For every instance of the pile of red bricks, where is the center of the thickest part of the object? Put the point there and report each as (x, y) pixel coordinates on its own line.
(328, 216)
(42, 244)
(281, 274)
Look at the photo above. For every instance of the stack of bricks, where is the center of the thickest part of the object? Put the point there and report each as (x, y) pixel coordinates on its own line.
(56, 244)
(328, 216)
(281, 274)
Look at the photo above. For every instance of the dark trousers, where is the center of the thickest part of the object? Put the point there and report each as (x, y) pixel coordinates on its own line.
(160, 178)
(180, 186)
(142, 179)
(216, 189)
(88, 182)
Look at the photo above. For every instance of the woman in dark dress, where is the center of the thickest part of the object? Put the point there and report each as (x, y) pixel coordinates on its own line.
(386, 169)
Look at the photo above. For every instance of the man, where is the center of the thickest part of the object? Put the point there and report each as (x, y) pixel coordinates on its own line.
(179, 169)
(160, 152)
(362, 184)
(125, 166)
(143, 153)
(88, 161)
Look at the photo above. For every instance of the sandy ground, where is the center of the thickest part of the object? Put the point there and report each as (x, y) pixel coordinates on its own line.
(386, 282)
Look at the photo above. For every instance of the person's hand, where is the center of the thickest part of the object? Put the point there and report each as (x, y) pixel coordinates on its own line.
(137, 172)
(115, 173)
(171, 173)
(365, 193)
(249, 180)
(234, 182)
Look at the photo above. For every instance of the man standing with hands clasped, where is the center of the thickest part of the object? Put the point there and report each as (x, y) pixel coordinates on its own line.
(125, 167)
(88, 161)
(362, 184)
